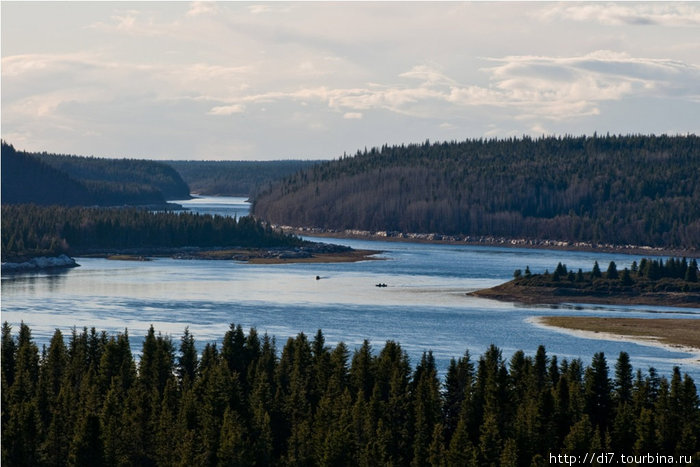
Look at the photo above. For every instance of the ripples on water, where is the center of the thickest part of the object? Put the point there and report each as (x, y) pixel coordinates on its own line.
(424, 306)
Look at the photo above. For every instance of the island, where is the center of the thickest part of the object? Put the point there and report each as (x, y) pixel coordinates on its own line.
(128, 233)
(649, 282)
(309, 252)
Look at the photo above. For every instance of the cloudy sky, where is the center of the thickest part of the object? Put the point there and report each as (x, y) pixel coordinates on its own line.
(313, 80)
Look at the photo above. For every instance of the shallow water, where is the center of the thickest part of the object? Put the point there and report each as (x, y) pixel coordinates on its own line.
(424, 306)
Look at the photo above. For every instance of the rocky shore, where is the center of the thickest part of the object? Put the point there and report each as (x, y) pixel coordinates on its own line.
(484, 240)
(40, 263)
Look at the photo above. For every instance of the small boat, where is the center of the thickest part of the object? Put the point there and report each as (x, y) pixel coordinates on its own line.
(381, 284)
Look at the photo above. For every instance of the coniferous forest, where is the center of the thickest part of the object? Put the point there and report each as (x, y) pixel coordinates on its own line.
(638, 190)
(652, 274)
(30, 230)
(85, 400)
(47, 179)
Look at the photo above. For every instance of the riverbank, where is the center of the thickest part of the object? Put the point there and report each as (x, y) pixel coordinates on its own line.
(673, 334)
(536, 295)
(486, 240)
(39, 263)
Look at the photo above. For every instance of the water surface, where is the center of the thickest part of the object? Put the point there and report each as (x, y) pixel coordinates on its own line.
(424, 307)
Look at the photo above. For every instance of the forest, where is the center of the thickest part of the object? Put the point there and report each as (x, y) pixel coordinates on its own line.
(88, 400)
(31, 230)
(43, 178)
(620, 190)
(653, 274)
(235, 178)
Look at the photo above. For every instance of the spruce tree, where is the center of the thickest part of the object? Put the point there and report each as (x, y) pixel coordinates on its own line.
(187, 361)
(597, 392)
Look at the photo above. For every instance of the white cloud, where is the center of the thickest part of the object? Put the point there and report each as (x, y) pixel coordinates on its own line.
(259, 9)
(554, 88)
(427, 75)
(201, 8)
(618, 14)
(455, 69)
(227, 109)
(560, 87)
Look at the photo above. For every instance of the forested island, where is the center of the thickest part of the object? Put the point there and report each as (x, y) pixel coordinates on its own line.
(620, 190)
(235, 178)
(673, 282)
(43, 178)
(32, 233)
(88, 402)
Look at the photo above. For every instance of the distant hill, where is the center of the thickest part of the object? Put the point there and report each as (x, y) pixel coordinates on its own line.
(235, 178)
(641, 190)
(121, 174)
(26, 179)
(43, 178)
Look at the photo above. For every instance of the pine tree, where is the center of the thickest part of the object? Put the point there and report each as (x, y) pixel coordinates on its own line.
(646, 433)
(21, 434)
(234, 352)
(461, 451)
(612, 271)
(7, 358)
(233, 446)
(458, 387)
(597, 392)
(426, 408)
(623, 384)
(187, 362)
(509, 456)
(86, 448)
(578, 441)
(490, 444)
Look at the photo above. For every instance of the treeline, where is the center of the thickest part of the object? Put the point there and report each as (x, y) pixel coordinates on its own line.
(651, 274)
(639, 190)
(43, 178)
(31, 230)
(88, 402)
(235, 178)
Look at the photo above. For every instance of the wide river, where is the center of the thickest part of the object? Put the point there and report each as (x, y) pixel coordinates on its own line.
(424, 306)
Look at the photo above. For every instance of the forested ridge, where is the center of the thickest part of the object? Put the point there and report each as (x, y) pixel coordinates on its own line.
(88, 402)
(44, 178)
(636, 190)
(31, 230)
(235, 178)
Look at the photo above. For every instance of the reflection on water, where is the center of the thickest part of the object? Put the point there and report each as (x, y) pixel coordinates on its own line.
(424, 306)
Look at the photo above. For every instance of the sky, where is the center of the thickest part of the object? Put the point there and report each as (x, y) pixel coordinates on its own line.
(281, 80)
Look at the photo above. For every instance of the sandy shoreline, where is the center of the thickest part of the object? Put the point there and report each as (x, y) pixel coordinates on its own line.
(651, 341)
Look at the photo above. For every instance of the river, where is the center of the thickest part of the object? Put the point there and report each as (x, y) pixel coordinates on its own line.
(423, 307)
